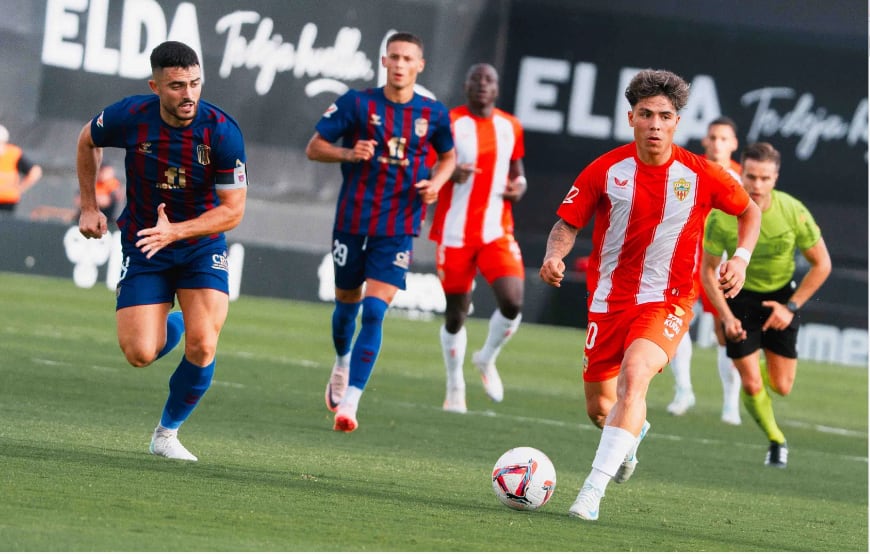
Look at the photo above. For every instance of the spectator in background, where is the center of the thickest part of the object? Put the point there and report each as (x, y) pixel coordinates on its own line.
(17, 173)
(109, 192)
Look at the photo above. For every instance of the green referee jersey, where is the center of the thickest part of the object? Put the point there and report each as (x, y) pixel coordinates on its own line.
(785, 225)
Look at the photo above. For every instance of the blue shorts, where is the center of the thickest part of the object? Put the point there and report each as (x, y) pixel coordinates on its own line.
(360, 257)
(143, 281)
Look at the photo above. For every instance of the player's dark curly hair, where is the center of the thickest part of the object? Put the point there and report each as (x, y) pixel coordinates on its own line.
(173, 54)
(761, 152)
(658, 82)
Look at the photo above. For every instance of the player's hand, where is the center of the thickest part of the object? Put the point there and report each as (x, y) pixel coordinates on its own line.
(733, 328)
(463, 172)
(732, 276)
(780, 316)
(553, 271)
(363, 150)
(155, 238)
(515, 189)
(427, 190)
(93, 224)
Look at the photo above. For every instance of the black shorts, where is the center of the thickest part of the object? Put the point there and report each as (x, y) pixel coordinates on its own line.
(748, 309)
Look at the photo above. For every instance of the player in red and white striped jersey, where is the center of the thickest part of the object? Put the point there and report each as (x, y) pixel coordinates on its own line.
(473, 226)
(649, 199)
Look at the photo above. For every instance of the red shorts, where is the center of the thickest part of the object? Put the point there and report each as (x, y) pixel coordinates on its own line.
(706, 304)
(458, 266)
(609, 334)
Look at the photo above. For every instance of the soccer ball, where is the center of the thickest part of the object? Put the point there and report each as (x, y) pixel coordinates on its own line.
(524, 478)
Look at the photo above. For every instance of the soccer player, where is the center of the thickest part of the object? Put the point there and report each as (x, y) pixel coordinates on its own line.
(649, 199)
(719, 144)
(385, 135)
(186, 185)
(473, 227)
(766, 316)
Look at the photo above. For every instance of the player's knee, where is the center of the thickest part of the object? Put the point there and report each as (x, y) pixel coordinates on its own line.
(596, 416)
(200, 350)
(373, 311)
(137, 356)
(511, 309)
(782, 386)
(453, 322)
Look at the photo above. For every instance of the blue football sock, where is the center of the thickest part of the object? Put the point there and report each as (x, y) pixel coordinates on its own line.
(186, 386)
(368, 343)
(174, 330)
(344, 325)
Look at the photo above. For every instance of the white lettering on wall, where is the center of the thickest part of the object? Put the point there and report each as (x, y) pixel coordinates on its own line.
(811, 124)
(143, 26)
(327, 66)
(538, 106)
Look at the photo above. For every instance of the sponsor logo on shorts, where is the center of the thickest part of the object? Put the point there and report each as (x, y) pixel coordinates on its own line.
(403, 259)
(219, 261)
(673, 323)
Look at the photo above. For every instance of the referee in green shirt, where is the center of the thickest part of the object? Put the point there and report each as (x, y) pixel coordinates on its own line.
(765, 315)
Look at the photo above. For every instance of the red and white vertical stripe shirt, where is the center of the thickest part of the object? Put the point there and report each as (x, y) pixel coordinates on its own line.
(474, 213)
(648, 221)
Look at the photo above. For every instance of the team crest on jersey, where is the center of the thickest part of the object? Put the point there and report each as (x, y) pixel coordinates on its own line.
(682, 188)
(145, 147)
(203, 154)
(421, 127)
(375, 120)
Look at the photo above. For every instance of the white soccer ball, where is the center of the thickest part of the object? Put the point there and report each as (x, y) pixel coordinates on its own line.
(524, 478)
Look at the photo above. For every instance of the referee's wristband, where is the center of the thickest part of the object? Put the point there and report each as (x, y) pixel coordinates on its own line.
(743, 254)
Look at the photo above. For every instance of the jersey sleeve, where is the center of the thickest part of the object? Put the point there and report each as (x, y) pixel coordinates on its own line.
(730, 197)
(579, 204)
(520, 143)
(442, 136)
(107, 128)
(339, 117)
(230, 161)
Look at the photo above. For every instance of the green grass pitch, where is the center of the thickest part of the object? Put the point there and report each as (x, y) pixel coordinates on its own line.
(75, 421)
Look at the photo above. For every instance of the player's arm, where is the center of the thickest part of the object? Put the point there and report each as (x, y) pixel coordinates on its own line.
(219, 219)
(732, 274)
(559, 244)
(710, 281)
(517, 183)
(321, 150)
(92, 222)
(441, 172)
(820, 268)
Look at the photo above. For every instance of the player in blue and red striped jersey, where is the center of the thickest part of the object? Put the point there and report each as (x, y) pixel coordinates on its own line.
(186, 185)
(385, 136)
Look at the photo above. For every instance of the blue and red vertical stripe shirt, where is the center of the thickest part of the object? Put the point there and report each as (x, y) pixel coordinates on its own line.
(377, 196)
(183, 167)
